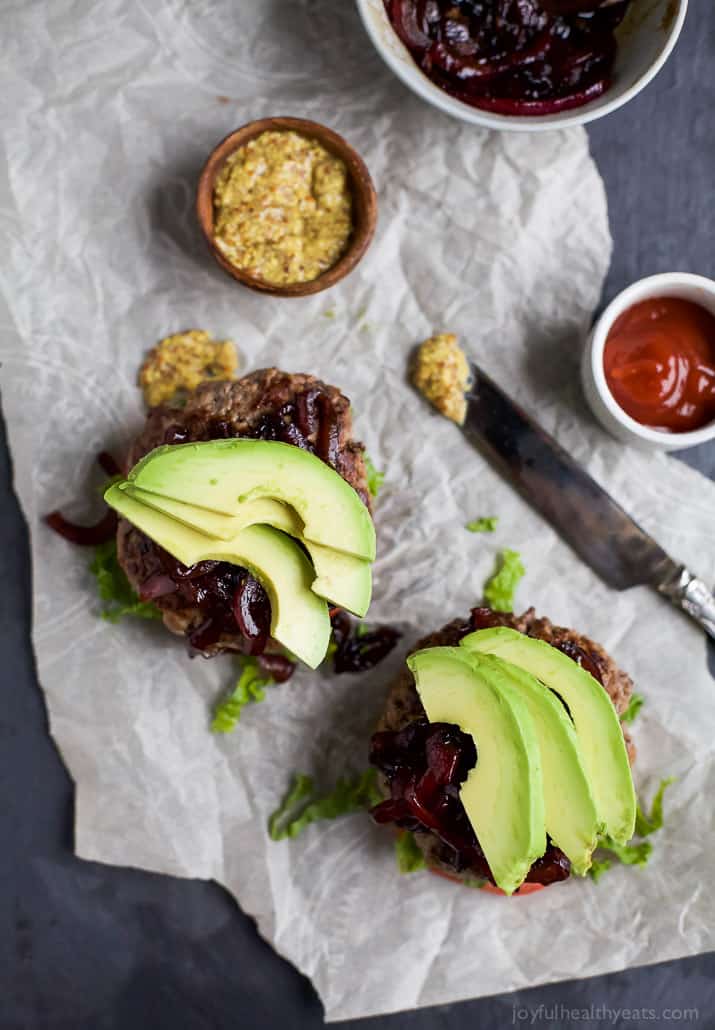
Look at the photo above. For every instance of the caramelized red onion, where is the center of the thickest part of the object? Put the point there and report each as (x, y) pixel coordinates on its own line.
(468, 69)
(306, 411)
(485, 618)
(425, 764)
(552, 867)
(252, 611)
(205, 636)
(88, 536)
(519, 108)
(310, 423)
(84, 536)
(358, 651)
(232, 602)
(586, 659)
(327, 442)
(513, 57)
(408, 19)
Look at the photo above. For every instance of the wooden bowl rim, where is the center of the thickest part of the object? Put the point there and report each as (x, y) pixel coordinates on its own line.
(361, 184)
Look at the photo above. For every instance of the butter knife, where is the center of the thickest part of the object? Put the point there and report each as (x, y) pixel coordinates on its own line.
(595, 526)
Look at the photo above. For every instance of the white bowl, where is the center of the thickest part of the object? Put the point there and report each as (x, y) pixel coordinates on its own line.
(603, 404)
(645, 39)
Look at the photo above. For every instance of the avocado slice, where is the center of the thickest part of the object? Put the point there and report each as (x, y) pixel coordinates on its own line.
(340, 578)
(595, 721)
(263, 511)
(222, 474)
(503, 794)
(299, 618)
(569, 808)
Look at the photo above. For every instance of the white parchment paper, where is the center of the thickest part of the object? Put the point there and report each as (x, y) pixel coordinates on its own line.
(110, 111)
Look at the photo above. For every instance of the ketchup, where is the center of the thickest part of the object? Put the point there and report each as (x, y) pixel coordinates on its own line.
(659, 361)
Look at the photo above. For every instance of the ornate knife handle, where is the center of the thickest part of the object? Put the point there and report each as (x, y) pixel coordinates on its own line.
(692, 596)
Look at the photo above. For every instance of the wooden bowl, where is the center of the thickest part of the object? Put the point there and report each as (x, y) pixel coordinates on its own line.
(363, 193)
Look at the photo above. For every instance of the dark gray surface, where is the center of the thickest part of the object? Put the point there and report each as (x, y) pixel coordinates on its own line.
(87, 947)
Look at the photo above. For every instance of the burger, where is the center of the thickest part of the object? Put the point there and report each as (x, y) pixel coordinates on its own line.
(501, 750)
(220, 605)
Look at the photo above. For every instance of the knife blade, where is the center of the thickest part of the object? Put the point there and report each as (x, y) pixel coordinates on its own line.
(597, 528)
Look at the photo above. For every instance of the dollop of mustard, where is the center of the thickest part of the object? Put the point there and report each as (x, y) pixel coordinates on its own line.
(180, 363)
(441, 374)
(282, 208)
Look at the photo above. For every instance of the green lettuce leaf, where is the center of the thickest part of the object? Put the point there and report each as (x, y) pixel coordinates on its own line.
(628, 854)
(647, 824)
(301, 807)
(500, 588)
(248, 689)
(279, 821)
(598, 868)
(114, 587)
(634, 706)
(637, 852)
(485, 524)
(374, 478)
(409, 857)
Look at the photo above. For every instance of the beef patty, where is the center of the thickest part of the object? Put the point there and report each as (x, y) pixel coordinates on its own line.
(404, 709)
(267, 404)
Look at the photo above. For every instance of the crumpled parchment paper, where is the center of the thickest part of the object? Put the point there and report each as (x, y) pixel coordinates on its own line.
(111, 110)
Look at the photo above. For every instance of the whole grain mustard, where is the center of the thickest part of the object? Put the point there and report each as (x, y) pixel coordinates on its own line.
(179, 363)
(282, 208)
(441, 374)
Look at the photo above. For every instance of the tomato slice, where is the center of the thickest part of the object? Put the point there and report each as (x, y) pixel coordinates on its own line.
(526, 888)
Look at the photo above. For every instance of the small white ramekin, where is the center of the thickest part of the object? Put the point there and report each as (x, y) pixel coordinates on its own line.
(602, 402)
(645, 40)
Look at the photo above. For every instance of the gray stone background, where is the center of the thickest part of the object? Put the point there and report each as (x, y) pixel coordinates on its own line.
(87, 947)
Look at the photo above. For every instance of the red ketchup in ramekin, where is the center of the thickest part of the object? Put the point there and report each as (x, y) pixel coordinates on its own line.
(659, 362)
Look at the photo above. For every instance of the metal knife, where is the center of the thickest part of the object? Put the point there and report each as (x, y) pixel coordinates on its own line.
(597, 528)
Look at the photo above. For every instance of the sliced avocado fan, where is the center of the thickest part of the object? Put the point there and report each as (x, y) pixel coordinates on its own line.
(263, 511)
(299, 618)
(340, 578)
(570, 812)
(220, 475)
(503, 794)
(600, 738)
